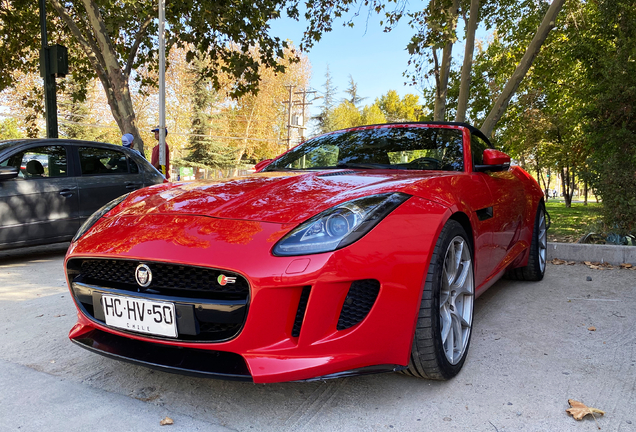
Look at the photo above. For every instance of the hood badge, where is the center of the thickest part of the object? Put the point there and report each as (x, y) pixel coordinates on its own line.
(143, 275)
(224, 280)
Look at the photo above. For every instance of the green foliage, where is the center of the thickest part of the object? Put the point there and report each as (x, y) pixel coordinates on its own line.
(616, 184)
(354, 98)
(398, 109)
(346, 115)
(606, 46)
(9, 129)
(325, 118)
(372, 114)
(222, 30)
(205, 152)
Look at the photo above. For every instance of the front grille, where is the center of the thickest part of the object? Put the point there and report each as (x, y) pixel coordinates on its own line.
(207, 310)
(187, 280)
(360, 299)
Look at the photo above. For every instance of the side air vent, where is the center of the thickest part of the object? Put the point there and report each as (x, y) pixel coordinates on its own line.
(300, 312)
(359, 301)
(337, 173)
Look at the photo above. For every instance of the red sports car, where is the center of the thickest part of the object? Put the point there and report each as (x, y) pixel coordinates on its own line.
(358, 251)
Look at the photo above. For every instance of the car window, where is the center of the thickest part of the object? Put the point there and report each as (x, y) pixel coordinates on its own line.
(101, 161)
(134, 169)
(477, 147)
(412, 148)
(39, 162)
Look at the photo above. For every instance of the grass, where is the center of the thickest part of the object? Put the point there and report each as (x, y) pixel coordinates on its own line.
(570, 224)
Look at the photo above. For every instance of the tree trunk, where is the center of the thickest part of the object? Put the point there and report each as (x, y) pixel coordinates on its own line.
(585, 191)
(501, 104)
(101, 53)
(439, 112)
(568, 185)
(464, 87)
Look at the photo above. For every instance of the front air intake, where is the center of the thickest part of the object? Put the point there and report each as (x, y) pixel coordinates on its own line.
(300, 312)
(360, 299)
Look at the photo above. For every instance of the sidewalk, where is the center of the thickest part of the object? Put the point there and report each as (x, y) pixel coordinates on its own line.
(596, 253)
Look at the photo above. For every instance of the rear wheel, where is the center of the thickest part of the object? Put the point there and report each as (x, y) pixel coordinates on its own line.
(445, 318)
(535, 269)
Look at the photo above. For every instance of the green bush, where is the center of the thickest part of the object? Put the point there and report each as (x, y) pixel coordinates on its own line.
(616, 185)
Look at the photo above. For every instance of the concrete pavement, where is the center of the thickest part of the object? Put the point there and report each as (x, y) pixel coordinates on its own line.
(532, 349)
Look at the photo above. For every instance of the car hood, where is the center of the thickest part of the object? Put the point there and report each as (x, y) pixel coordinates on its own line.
(278, 197)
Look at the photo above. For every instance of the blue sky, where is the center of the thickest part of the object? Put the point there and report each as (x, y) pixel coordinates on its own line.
(375, 60)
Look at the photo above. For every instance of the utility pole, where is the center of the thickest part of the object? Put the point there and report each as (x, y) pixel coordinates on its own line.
(57, 55)
(162, 88)
(291, 103)
(304, 104)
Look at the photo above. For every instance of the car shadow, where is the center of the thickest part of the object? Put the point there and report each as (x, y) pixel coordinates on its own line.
(33, 252)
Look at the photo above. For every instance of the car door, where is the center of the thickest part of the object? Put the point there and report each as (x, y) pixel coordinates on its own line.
(503, 214)
(41, 204)
(104, 174)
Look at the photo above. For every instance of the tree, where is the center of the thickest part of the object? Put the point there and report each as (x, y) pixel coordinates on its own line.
(398, 109)
(501, 104)
(352, 91)
(205, 152)
(324, 119)
(372, 114)
(109, 39)
(9, 129)
(346, 115)
(604, 44)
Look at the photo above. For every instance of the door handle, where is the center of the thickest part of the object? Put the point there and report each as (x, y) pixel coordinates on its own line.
(132, 186)
(67, 193)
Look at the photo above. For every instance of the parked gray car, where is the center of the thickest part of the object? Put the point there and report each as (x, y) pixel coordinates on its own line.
(49, 187)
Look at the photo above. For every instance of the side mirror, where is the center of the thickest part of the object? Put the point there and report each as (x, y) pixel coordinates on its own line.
(262, 164)
(494, 160)
(8, 172)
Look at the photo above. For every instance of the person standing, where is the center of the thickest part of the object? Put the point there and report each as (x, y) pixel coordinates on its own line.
(154, 160)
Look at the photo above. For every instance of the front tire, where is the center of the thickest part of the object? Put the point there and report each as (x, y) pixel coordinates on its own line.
(444, 324)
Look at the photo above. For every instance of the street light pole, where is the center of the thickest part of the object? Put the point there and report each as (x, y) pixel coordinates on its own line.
(162, 87)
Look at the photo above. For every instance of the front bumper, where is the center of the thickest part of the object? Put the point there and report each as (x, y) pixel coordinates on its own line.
(293, 327)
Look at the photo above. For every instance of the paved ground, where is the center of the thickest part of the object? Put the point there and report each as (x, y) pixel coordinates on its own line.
(531, 351)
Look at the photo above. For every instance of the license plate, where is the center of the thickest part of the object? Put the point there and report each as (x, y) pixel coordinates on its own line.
(144, 316)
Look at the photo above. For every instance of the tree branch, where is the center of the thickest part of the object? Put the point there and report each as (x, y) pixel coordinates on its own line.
(135, 46)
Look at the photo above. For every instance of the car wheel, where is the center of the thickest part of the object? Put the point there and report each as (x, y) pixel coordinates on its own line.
(445, 318)
(535, 269)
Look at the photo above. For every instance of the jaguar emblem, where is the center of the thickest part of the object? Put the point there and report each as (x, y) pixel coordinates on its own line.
(143, 275)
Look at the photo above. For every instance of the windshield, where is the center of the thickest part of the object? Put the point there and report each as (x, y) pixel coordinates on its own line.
(412, 148)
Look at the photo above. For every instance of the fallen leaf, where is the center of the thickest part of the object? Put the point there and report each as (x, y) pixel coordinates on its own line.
(169, 421)
(57, 316)
(626, 265)
(592, 328)
(595, 267)
(580, 410)
(587, 263)
(557, 261)
(38, 316)
(571, 262)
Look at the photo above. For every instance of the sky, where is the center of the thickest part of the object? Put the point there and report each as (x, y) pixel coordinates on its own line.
(376, 60)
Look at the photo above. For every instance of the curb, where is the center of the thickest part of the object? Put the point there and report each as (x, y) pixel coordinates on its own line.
(586, 252)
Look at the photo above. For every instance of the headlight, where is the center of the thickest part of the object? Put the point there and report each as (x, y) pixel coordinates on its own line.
(339, 226)
(97, 216)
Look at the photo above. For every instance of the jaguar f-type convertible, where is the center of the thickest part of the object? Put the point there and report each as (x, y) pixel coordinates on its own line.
(357, 251)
